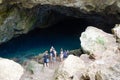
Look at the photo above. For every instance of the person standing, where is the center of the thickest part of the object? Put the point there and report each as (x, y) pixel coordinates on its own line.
(51, 54)
(61, 55)
(54, 55)
(46, 59)
(65, 54)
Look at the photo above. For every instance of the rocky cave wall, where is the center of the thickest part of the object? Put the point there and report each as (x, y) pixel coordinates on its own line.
(19, 17)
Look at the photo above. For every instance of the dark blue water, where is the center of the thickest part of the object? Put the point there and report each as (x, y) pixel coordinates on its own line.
(39, 40)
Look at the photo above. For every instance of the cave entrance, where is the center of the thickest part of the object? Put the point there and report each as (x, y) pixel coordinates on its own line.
(64, 34)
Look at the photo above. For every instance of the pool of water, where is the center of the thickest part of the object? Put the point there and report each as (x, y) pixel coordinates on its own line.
(65, 34)
(40, 40)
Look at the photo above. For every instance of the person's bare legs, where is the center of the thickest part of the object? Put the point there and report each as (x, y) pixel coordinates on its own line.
(44, 65)
(47, 64)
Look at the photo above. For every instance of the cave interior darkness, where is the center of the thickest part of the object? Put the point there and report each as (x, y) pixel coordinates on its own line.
(67, 30)
(70, 25)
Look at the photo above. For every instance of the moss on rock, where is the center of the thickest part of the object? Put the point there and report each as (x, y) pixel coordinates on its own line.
(14, 21)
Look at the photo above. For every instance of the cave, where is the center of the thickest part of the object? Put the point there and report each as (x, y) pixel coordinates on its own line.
(61, 32)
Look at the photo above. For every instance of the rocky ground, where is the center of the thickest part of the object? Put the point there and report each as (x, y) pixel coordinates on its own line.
(36, 71)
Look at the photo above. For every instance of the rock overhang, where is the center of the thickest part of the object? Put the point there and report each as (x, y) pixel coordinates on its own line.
(42, 13)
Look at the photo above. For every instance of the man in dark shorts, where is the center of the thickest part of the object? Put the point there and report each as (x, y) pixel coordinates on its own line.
(46, 59)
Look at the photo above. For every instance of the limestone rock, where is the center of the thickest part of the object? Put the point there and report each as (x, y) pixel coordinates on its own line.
(1, 1)
(86, 59)
(10, 70)
(106, 67)
(76, 52)
(19, 16)
(69, 68)
(13, 22)
(107, 51)
(96, 41)
(88, 5)
(36, 71)
(116, 31)
(110, 6)
(102, 69)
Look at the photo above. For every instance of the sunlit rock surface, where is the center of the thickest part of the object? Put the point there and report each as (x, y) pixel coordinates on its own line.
(88, 5)
(10, 70)
(96, 41)
(69, 69)
(116, 32)
(105, 65)
(36, 71)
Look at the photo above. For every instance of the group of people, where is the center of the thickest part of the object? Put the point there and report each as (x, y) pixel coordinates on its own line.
(51, 56)
(63, 54)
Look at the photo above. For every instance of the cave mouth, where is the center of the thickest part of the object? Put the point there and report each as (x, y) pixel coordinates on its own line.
(64, 34)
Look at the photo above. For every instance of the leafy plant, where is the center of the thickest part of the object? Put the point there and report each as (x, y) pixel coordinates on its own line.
(100, 40)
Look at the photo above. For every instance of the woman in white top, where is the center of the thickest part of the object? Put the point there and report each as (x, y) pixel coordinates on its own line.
(51, 53)
(61, 55)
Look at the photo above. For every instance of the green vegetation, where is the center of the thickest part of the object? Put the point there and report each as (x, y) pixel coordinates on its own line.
(3, 16)
(100, 40)
(26, 21)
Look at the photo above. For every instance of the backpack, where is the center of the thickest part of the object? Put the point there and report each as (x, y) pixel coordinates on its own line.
(65, 54)
(53, 55)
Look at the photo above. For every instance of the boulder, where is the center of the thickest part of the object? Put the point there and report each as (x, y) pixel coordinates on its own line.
(96, 41)
(10, 70)
(102, 69)
(87, 69)
(104, 66)
(76, 52)
(69, 68)
(105, 49)
(116, 31)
